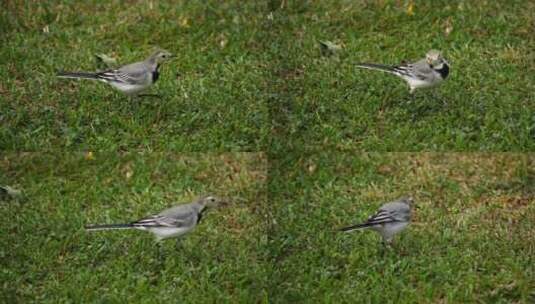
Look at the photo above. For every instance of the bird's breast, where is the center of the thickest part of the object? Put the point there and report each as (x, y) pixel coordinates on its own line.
(444, 71)
(155, 74)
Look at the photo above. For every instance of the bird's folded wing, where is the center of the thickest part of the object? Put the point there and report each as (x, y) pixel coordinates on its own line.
(410, 70)
(135, 73)
(118, 76)
(421, 70)
(381, 217)
(161, 221)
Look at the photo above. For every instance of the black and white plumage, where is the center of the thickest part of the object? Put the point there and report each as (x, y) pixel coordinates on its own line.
(130, 79)
(170, 223)
(427, 72)
(390, 219)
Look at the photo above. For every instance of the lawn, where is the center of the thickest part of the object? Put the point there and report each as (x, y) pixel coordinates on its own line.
(250, 74)
(300, 140)
(487, 103)
(47, 257)
(471, 239)
(212, 94)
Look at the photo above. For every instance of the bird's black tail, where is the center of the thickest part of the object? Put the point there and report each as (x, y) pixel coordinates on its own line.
(355, 227)
(108, 227)
(77, 75)
(378, 67)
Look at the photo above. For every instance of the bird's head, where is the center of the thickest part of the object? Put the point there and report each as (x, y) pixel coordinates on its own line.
(434, 58)
(160, 56)
(212, 201)
(409, 200)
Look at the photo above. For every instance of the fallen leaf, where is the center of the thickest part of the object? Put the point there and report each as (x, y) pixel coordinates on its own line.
(385, 169)
(329, 48)
(312, 168)
(128, 171)
(448, 26)
(8, 192)
(183, 22)
(108, 61)
(222, 41)
(410, 8)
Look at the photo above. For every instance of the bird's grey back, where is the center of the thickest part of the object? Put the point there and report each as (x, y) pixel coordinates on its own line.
(182, 211)
(399, 209)
(422, 68)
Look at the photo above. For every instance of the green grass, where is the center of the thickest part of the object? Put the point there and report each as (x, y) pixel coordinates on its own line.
(471, 240)
(212, 93)
(327, 102)
(47, 257)
(244, 78)
(249, 76)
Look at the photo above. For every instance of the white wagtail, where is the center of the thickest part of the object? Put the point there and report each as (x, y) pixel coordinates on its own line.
(391, 219)
(424, 73)
(170, 223)
(130, 79)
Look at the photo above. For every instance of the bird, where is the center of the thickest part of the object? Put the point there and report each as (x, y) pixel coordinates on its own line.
(389, 220)
(427, 72)
(130, 79)
(169, 223)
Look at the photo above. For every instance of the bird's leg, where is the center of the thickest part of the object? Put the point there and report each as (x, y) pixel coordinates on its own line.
(178, 244)
(161, 256)
(159, 250)
(150, 95)
(444, 102)
(410, 97)
(384, 247)
(387, 242)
